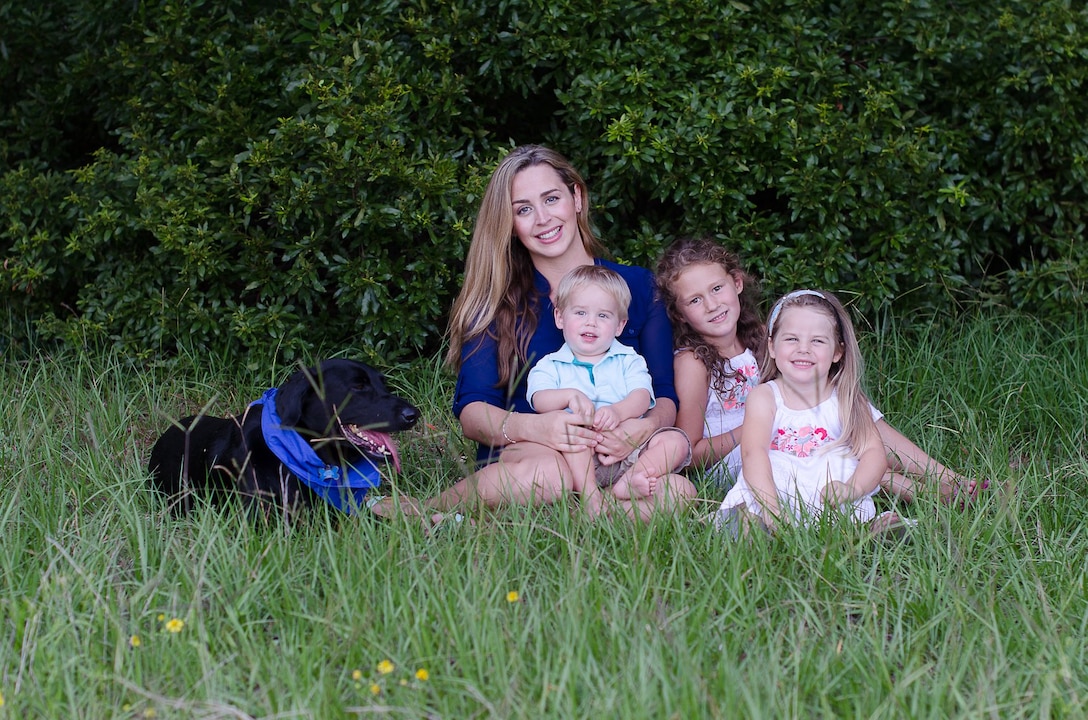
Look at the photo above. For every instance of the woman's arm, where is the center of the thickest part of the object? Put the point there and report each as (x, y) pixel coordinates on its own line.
(615, 445)
(559, 430)
(759, 411)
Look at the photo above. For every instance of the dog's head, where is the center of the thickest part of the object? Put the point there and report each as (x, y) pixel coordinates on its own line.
(344, 402)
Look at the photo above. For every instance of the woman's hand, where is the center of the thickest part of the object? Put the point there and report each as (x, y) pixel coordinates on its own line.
(616, 444)
(566, 432)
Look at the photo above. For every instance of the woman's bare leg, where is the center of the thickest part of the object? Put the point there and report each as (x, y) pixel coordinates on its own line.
(525, 474)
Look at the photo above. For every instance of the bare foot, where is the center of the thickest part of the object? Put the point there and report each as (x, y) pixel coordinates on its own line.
(402, 506)
(890, 525)
(959, 492)
(638, 483)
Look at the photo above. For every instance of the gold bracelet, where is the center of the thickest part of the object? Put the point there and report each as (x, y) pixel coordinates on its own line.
(506, 437)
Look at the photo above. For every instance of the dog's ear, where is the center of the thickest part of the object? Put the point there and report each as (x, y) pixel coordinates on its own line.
(292, 394)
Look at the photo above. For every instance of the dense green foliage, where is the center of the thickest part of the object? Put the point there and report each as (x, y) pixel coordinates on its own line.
(255, 175)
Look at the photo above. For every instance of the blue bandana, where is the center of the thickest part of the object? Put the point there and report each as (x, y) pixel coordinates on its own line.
(344, 494)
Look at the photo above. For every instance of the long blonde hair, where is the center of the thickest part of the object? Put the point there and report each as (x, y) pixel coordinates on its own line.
(498, 296)
(845, 375)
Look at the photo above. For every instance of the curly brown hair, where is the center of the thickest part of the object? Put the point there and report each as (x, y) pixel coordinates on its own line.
(751, 332)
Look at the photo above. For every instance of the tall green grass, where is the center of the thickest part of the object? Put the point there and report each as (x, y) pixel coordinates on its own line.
(537, 612)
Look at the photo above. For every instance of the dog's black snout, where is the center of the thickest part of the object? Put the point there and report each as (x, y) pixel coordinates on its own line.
(409, 415)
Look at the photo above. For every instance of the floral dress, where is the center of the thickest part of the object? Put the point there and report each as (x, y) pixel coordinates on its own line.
(725, 412)
(802, 463)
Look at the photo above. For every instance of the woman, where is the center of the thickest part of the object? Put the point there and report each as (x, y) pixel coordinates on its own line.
(531, 229)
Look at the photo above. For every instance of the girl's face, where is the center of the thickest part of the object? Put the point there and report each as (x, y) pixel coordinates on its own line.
(545, 212)
(709, 300)
(805, 345)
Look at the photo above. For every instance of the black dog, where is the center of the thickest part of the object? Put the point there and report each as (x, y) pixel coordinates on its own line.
(322, 435)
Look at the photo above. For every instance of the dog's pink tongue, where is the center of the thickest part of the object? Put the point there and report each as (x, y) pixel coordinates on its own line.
(386, 440)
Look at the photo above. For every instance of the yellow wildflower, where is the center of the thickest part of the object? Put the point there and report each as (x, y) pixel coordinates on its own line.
(375, 689)
(175, 625)
(356, 674)
(134, 641)
(512, 596)
(423, 675)
(385, 667)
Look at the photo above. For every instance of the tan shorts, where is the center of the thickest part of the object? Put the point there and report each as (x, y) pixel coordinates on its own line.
(609, 475)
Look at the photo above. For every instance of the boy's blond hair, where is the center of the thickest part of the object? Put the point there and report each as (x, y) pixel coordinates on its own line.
(604, 278)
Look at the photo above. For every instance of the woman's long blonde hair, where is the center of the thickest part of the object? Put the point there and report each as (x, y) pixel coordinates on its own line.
(846, 375)
(498, 294)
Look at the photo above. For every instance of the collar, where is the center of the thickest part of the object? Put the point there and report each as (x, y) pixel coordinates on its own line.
(565, 354)
(343, 493)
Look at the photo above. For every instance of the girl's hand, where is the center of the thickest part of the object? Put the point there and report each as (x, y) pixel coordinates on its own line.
(836, 493)
(616, 444)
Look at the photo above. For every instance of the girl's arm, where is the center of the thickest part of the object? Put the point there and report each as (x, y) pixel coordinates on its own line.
(872, 464)
(755, 455)
(693, 387)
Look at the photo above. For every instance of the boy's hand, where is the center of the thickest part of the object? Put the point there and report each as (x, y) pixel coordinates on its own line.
(580, 404)
(605, 419)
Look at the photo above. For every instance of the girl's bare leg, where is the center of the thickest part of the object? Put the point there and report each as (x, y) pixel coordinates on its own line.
(909, 464)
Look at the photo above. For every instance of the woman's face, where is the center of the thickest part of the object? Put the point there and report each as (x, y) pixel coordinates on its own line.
(545, 212)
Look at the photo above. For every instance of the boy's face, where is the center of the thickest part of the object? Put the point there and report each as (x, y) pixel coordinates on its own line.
(590, 322)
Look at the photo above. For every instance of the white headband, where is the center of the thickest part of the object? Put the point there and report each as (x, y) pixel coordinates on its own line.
(782, 301)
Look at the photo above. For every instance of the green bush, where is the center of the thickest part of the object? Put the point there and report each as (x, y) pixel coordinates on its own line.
(256, 176)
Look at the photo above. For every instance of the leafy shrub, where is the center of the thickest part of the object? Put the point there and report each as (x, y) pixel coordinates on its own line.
(269, 177)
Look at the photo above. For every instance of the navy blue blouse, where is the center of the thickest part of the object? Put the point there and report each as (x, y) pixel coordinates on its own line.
(648, 331)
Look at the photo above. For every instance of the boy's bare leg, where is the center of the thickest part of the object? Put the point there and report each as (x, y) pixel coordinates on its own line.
(664, 452)
(673, 493)
(584, 481)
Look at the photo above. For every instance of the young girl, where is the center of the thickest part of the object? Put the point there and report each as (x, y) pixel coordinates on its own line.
(720, 341)
(810, 442)
(719, 336)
